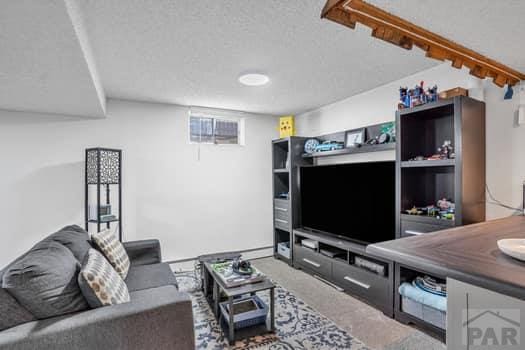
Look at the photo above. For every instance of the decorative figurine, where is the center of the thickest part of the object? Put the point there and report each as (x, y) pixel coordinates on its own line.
(310, 145)
(432, 94)
(414, 211)
(445, 204)
(446, 150)
(329, 146)
(417, 96)
(404, 100)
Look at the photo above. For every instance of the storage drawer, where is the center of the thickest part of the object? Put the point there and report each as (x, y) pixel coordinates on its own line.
(411, 228)
(281, 213)
(312, 261)
(282, 205)
(366, 284)
(282, 224)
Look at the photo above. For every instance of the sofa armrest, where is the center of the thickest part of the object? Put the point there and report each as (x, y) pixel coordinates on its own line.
(145, 252)
(157, 318)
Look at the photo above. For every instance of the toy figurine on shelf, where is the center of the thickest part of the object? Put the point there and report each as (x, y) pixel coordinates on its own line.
(432, 94)
(404, 99)
(414, 211)
(446, 151)
(417, 96)
(445, 204)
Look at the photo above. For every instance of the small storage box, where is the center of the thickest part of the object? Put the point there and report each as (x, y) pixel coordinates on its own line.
(253, 311)
(283, 249)
(426, 313)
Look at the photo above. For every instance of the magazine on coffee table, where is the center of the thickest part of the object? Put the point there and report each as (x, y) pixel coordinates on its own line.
(232, 279)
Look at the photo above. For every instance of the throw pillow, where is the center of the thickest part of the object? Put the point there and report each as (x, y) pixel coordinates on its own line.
(44, 281)
(106, 241)
(100, 283)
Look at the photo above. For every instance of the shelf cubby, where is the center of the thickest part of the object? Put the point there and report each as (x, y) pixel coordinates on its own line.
(408, 274)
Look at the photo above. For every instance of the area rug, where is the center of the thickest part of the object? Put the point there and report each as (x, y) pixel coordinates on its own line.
(298, 326)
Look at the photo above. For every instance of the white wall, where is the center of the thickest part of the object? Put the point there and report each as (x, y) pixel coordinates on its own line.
(222, 201)
(505, 140)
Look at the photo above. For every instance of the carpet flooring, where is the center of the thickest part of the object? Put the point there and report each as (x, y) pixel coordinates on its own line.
(297, 325)
(364, 322)
(347, 318)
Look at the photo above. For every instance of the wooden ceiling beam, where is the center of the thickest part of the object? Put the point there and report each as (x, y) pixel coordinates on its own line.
(402, 33)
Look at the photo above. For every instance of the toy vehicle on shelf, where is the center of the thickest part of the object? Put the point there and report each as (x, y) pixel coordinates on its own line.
(329, 146)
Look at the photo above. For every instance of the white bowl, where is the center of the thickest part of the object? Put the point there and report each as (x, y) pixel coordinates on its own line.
(514, 247)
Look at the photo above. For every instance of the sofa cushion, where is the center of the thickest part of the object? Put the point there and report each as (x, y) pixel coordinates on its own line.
(11, 312)
(74, 238)
(150, 276)
(44, 281)
(100, 283)
(106, 241)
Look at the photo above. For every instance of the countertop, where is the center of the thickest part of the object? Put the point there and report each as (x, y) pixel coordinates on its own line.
(469, 254)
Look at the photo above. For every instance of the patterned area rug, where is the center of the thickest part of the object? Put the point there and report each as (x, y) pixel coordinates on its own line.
(298, 326)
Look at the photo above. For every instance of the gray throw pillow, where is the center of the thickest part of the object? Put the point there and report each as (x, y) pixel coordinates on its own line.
(100, 283)
(11, 312)
(74, 238)
(44, 281)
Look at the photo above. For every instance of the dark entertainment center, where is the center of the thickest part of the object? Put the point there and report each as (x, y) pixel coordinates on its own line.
(341, 258)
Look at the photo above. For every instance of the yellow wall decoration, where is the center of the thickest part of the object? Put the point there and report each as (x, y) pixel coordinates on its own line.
(286, 126)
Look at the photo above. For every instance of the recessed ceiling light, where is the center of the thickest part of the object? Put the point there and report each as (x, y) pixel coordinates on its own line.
(254, 79)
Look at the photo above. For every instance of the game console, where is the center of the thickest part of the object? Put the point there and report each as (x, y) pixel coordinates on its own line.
(370, 266)
(310, 243)
(331, 254)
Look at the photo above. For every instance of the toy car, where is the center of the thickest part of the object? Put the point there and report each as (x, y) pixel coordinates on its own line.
(329, 146)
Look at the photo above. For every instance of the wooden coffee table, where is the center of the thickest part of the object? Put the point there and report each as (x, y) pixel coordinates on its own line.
(212, 288)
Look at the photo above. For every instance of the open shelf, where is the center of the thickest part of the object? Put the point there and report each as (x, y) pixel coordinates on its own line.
(428, 163)
(280, 154)
(102, 222)
(422, 186)
(430, 220)
(408, 274)
(281, 183)
(353, 150)
(423, 131)
(284, 170)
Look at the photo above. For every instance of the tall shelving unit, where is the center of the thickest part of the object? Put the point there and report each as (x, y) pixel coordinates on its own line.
(420, 131)
(287, 157)
(103, 186)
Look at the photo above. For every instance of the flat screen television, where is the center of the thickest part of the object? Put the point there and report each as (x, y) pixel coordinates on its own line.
(353, 201)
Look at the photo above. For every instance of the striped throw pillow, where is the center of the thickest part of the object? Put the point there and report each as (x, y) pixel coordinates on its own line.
(107, 242)
(100, 284)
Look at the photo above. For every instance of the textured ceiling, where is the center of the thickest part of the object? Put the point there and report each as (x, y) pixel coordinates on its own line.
(66, 56)
(492, 28)
(192, 52)
(43, 65)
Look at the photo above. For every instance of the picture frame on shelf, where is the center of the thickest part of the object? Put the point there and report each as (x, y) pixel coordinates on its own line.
(355, 138)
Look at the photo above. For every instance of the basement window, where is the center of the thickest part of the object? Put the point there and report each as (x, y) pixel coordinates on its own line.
(215, 130)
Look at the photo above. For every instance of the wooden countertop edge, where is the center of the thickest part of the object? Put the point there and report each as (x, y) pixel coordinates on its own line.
(439, 270)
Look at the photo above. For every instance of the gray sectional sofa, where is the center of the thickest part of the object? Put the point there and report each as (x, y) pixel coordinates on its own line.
(158, 316)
